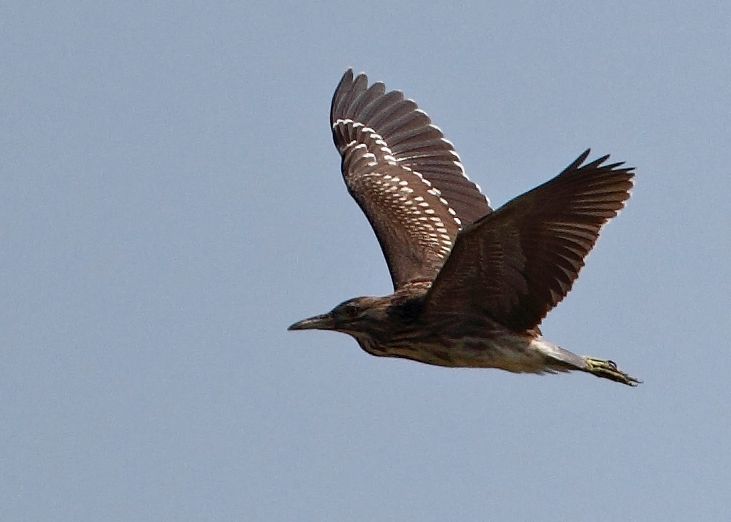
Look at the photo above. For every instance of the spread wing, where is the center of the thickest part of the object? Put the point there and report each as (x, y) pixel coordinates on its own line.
(520, 261)
(404, 174)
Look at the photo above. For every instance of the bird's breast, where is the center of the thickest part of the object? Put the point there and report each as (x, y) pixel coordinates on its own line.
(511, 352)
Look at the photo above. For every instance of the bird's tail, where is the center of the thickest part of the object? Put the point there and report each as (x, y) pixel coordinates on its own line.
(560, 359)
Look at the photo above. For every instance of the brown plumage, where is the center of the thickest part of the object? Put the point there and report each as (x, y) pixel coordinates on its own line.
(471, 284)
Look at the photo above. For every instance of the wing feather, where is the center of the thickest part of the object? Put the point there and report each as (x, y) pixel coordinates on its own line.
(520, 261)
(382, 136)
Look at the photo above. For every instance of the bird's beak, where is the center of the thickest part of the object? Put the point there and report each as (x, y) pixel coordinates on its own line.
(319, 322)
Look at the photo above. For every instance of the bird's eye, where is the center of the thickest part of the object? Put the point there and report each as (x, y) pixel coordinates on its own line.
(350, 311)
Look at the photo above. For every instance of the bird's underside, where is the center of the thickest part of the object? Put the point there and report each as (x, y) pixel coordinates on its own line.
(472, 284)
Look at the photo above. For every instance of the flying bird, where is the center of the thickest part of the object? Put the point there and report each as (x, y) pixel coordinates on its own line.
(471, 283)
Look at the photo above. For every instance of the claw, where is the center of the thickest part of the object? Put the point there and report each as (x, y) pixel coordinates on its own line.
(608, 370)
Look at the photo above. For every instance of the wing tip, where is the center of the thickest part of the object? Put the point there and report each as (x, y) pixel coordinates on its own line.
(599, 163)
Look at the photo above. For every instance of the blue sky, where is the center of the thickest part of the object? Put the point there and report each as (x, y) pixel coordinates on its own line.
(170, 200)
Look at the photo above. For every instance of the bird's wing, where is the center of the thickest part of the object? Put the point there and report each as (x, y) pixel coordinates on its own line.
(520, 261)
(405, 176)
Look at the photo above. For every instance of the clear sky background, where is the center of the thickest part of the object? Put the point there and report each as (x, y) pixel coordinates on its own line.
(170, 201)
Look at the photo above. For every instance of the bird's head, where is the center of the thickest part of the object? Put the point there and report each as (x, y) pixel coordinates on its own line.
(353, 316)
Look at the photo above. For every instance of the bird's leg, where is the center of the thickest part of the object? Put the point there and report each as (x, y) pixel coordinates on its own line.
(608, 370)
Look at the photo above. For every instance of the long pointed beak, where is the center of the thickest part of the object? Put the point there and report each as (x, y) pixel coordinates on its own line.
(319, 322)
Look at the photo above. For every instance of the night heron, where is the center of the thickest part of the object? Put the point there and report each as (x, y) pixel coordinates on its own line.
(472, 284)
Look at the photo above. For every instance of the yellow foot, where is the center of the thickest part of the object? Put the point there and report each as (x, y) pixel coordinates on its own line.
(608, 370)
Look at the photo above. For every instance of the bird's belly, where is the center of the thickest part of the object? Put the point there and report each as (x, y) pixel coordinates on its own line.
(513, 353)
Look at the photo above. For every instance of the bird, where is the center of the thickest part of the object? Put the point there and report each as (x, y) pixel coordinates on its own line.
(472, 284)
